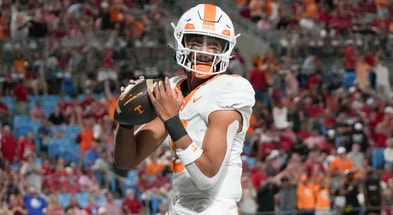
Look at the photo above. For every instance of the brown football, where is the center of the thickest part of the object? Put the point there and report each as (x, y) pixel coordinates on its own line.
(134, 106)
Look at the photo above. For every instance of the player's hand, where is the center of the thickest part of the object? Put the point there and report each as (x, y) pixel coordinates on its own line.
(165, 101)
(131, 83)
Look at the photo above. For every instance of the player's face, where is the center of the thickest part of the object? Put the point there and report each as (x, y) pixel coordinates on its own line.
(203, 45)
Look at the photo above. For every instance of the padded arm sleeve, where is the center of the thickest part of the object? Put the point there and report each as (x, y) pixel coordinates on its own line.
(201, 180)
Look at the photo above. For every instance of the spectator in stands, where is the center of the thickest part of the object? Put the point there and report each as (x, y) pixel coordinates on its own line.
(99, 111)
(20, 64)
(388, 200)
(305, 197)
(20, 93)
(280, 114)
(247, 203)
(236, 67)
(5, 114)
(268, 63)
(36, 112)
(287, 195)
(87, 182)
(273, 163)
(131, 204)
(274, 12)
(54, 207)
(3, 24)
(300, 148)
(362, 70)
(9, 144)
(160, 187)
(266, 196)
(31, 173)
(38, 66)
(15, 205)
(338, 205)
(72, 204)
(154, 165)
(351, 192)
(349, 63)
(256, 8)
(88, 100)
(364, 169)
(61, 179)
(388, 151)
(372, 192)
(258, 173)
(63, 103)
(385, 126)
(313, 164)
(73, 110)
(12, 184)
(340, 164)
(315, 139)
(92, 154)
(102, 167)
(34, 202)
(291, 82)
(322, 197)
(110, 99)
(387, 175)
(86, 136)
(44, 133)
(356, 156)
(106, 133)
(294, 167)
(91, 207)
(358, 136)
(258, 81)
(144, 186)
(57, 116)
(26, 146)
(54, 70)
(383, 86)
(103, 18)
(112, 208)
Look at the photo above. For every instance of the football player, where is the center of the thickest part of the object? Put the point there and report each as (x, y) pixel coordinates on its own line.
(206, 114)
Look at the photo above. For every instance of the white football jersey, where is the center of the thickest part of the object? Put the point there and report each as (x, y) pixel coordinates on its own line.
(222, 92)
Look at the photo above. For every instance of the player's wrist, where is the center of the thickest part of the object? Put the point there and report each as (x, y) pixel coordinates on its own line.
(175, 128)
(190, 154)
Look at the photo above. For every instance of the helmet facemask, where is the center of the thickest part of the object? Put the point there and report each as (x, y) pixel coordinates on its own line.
(204, 54)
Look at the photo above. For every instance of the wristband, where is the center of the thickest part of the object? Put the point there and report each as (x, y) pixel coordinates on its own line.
(126, 126)
(190, 154)
(175, 128)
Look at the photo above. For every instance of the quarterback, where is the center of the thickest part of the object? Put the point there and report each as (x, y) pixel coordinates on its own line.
(206, 114)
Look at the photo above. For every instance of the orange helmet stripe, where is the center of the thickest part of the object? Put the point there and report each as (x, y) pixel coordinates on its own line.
(209, 15)
(189, 26)
(226, 32)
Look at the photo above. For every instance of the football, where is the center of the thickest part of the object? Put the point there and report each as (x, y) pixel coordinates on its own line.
(134, 106)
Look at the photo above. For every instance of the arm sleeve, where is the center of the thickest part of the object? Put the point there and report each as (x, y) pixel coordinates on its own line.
(201, 180)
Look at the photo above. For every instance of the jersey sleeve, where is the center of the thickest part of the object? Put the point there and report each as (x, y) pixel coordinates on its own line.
(231, 92)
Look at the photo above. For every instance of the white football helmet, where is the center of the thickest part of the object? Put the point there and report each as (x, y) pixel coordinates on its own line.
(205, 37)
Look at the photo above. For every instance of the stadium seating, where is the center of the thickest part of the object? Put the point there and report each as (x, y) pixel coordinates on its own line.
(377, 158)
(64, 198)
(83, 199)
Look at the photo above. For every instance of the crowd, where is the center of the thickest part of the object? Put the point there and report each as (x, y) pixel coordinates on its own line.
(321, 27)
(320, 141)
(61, 66)
(322, 133)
